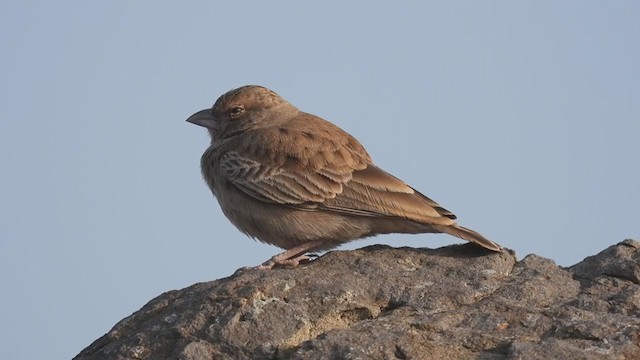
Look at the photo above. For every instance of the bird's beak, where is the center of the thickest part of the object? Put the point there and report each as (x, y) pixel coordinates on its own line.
(203, 118)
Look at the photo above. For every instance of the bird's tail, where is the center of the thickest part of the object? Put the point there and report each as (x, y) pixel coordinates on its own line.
(469, 235)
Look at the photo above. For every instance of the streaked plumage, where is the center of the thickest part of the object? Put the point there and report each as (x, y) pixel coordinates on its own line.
(294, 180)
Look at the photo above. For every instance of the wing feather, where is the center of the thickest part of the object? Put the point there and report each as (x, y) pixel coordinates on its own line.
(381, 194)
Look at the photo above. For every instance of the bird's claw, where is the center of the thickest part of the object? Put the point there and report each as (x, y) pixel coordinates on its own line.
(291, 263)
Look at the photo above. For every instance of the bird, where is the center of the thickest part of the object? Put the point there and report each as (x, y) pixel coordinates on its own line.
(294, 180)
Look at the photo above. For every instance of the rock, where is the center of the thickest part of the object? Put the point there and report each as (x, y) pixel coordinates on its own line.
(456, 302)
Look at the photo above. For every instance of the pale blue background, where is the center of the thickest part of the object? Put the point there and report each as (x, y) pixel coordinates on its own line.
(520, 117)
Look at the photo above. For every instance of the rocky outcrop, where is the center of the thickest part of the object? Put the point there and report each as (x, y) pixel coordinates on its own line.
(456, 302)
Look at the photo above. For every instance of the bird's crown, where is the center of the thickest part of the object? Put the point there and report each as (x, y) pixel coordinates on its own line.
(249, 96)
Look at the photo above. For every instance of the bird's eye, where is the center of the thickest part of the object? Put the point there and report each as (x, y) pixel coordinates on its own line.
(236, 111)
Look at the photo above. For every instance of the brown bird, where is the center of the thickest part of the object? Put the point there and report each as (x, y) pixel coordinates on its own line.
(297, 181)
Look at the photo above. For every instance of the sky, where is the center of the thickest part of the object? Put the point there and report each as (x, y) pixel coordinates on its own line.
(522, 118)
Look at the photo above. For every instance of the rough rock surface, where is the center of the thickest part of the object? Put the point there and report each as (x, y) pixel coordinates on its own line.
(456, 302)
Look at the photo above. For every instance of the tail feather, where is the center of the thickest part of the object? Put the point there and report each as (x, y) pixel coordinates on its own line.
(469, 235)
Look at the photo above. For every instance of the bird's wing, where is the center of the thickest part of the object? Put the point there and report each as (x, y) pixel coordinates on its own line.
(301, 165)
(275, 184)
(322, 168)
(376, 191)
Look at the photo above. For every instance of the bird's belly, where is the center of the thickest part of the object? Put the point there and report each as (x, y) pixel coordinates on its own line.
(286, 226)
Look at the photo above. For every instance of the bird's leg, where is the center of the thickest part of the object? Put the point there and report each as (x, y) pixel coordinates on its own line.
(292, 257)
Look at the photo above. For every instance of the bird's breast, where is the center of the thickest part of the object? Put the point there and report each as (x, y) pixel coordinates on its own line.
(208, 167)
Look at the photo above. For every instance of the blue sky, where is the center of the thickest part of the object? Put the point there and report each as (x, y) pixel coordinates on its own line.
(522, 118)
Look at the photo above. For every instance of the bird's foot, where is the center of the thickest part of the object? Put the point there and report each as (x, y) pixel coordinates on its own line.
(293, 262)
(292, 257)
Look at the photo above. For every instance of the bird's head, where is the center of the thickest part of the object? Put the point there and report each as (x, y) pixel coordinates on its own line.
(242, 109)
